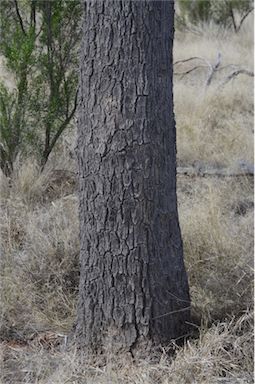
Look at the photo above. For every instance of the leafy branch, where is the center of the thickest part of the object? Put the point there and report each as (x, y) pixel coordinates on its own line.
(40, 47)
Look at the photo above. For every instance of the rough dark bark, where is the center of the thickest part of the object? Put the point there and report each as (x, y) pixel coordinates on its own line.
(133, 283)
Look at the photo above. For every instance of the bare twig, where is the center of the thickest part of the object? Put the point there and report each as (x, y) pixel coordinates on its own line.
(213, 69)
(243, 18)
(233, 66)
(204, 66)
(189, 71)
(236, 73)
(189, 59)
(33, 14)
(59, 132)
(233, 18)
(19, 17)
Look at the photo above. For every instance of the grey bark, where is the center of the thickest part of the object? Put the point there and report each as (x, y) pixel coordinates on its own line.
(133, 283)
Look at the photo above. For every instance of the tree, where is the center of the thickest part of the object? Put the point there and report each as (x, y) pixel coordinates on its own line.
(133, 283)
(40, 50)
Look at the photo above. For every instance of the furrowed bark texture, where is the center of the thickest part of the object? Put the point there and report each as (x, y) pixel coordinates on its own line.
(133, 279)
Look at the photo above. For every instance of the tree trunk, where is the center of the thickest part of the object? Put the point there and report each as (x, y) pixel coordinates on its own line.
(133, 283)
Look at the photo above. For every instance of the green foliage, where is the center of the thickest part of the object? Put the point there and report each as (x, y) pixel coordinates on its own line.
(195, 10)
(226, 13)
(8, 103)
(231, 13)
(39, 41)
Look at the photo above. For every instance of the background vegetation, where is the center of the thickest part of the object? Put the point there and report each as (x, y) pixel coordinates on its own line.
(39, 210)
(225, 13)
(39, 48)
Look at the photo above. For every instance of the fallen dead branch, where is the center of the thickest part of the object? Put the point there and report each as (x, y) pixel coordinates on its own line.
(212, 69)
(236, 73)
(193, 171)
(189, 59)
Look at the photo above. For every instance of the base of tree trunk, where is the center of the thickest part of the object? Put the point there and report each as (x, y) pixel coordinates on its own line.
(113, 343)
(133, 284)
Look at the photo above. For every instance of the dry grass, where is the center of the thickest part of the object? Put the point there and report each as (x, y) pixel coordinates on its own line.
(39, 261)
(222, 351)
(215, 124)
(40, 245)
(217, 225)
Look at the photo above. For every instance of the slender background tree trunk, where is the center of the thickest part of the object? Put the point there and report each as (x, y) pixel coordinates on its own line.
(133, 281)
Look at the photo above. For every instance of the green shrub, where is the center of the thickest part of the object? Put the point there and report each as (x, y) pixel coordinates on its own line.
(195, 10)
(9, 137)
(39, 41)
(226, 13)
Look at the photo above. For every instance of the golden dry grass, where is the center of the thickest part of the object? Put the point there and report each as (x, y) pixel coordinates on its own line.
(40, 245)
(223, 350)
(215, 124)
